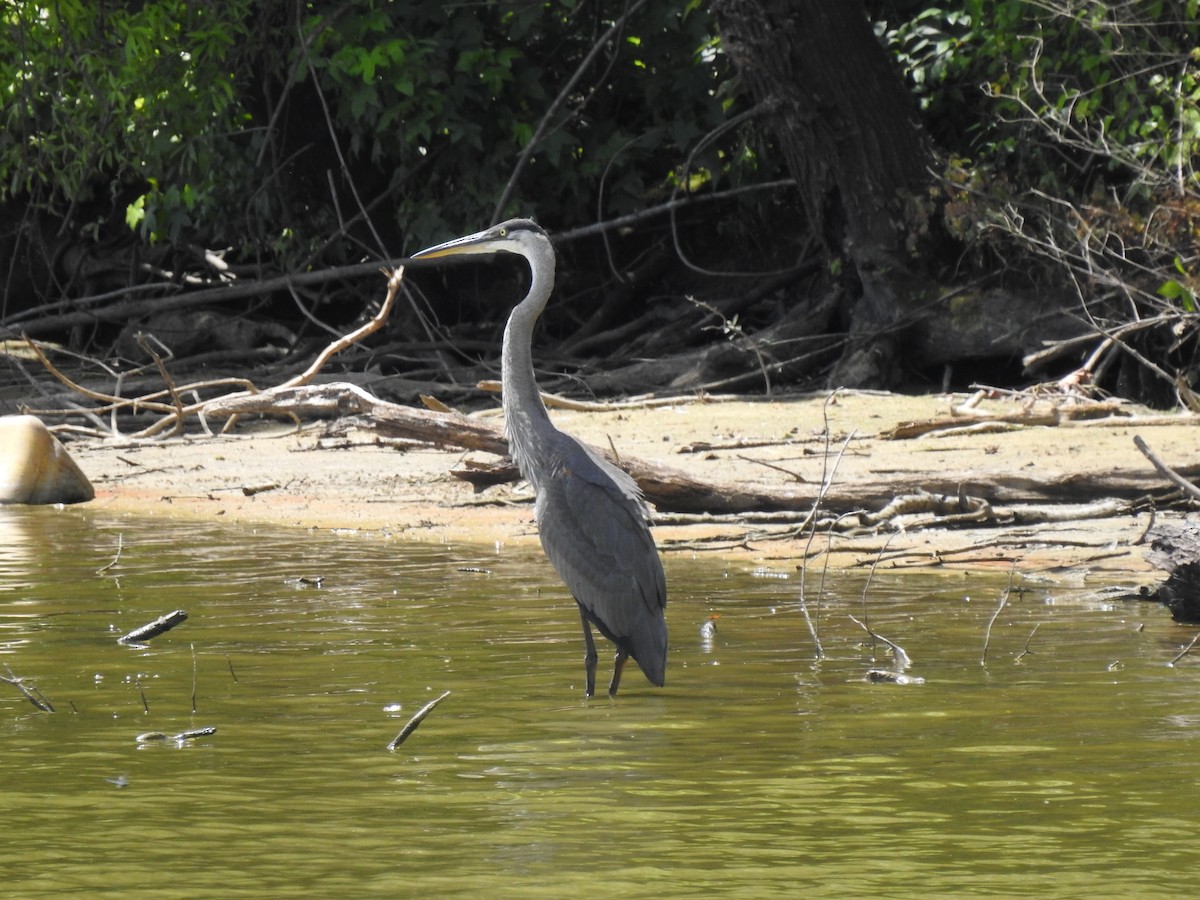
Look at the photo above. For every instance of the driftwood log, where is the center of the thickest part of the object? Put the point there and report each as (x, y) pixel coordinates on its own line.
(672, 490)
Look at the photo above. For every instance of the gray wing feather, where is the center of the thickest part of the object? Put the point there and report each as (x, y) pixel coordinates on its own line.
(592, 522)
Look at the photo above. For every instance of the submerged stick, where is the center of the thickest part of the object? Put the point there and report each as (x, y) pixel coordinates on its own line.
(415, 721)
(154, 629)
(112, 562)
(33, 695)
(1185, 651)
(867, 587)
(1028, 641)
(901, 659)
(987, 633)
(810, 523)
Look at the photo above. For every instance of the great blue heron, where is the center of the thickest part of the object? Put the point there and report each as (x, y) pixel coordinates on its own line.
(591, 518)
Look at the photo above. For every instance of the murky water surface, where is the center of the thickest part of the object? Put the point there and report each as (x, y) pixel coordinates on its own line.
(1066, 766)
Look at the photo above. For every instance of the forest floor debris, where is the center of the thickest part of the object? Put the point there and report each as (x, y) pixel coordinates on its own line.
(341, 474)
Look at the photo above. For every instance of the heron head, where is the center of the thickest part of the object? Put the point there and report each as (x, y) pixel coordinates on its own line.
(521, 236)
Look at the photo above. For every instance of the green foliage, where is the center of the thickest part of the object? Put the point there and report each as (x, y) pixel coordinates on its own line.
(98, 100)
(1057, 91)
(208, 121)
(1180, 290)
(446, 98)
(1074, 126)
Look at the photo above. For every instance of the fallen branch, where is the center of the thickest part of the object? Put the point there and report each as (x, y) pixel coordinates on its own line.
(126, 310)
(175, 412)
(415, 721)
(150, 737)
(175, 420)
(554, 401)
(1166, 471)
(967, 418)
(160, 625)
(33, 695)
(146, 403)
(946, 507)
(1185, 651)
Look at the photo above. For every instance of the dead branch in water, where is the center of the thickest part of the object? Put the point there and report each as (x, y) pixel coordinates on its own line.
(810, 522)
(415, 721)
(987, 634)
(900, 659)
(33, 695)
(1185, 651)
(112, 562)
(153, 629)
(150, 737)
(1028, 641)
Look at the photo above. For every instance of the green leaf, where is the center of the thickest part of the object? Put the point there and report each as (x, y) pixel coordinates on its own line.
(1173, 290)
(135, 213)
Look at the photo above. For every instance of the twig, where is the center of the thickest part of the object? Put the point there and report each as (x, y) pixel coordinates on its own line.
(337, 147)
(901, 659)
(1028, 641)
(870, 578)
(1184, 652)
(176, 421)
(87, 392)
(1141, 538)
(175, 412)
(221, 294)
(795, 476)
(112, 562)
(613, 448)
(646, 401)
(563, 237)
(153, 629)
(395, 279)
(147, 403)
(987, 634)
(33, 695)
(810, 523)
(415, 721)
(1166, 471)
(195, 677)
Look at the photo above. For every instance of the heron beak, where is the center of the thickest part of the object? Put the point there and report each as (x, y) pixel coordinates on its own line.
(482, 242)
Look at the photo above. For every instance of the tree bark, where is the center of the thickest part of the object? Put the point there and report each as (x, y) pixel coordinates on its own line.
(848, 132)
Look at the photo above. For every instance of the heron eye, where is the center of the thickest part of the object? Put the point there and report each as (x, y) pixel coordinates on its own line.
(503, 232)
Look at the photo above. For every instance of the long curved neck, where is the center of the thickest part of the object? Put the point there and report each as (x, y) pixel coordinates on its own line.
(524, 413)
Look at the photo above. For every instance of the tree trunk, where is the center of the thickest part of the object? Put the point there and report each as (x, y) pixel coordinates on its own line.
(849, 135)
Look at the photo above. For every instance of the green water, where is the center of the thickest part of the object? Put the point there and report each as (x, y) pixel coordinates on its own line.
(758, 771)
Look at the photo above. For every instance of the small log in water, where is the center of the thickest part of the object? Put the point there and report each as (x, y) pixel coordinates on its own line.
(149, 737)
(415, 721)
(153, 629)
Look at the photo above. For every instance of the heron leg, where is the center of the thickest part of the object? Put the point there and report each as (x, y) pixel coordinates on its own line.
(589, 658)
(618, 665)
